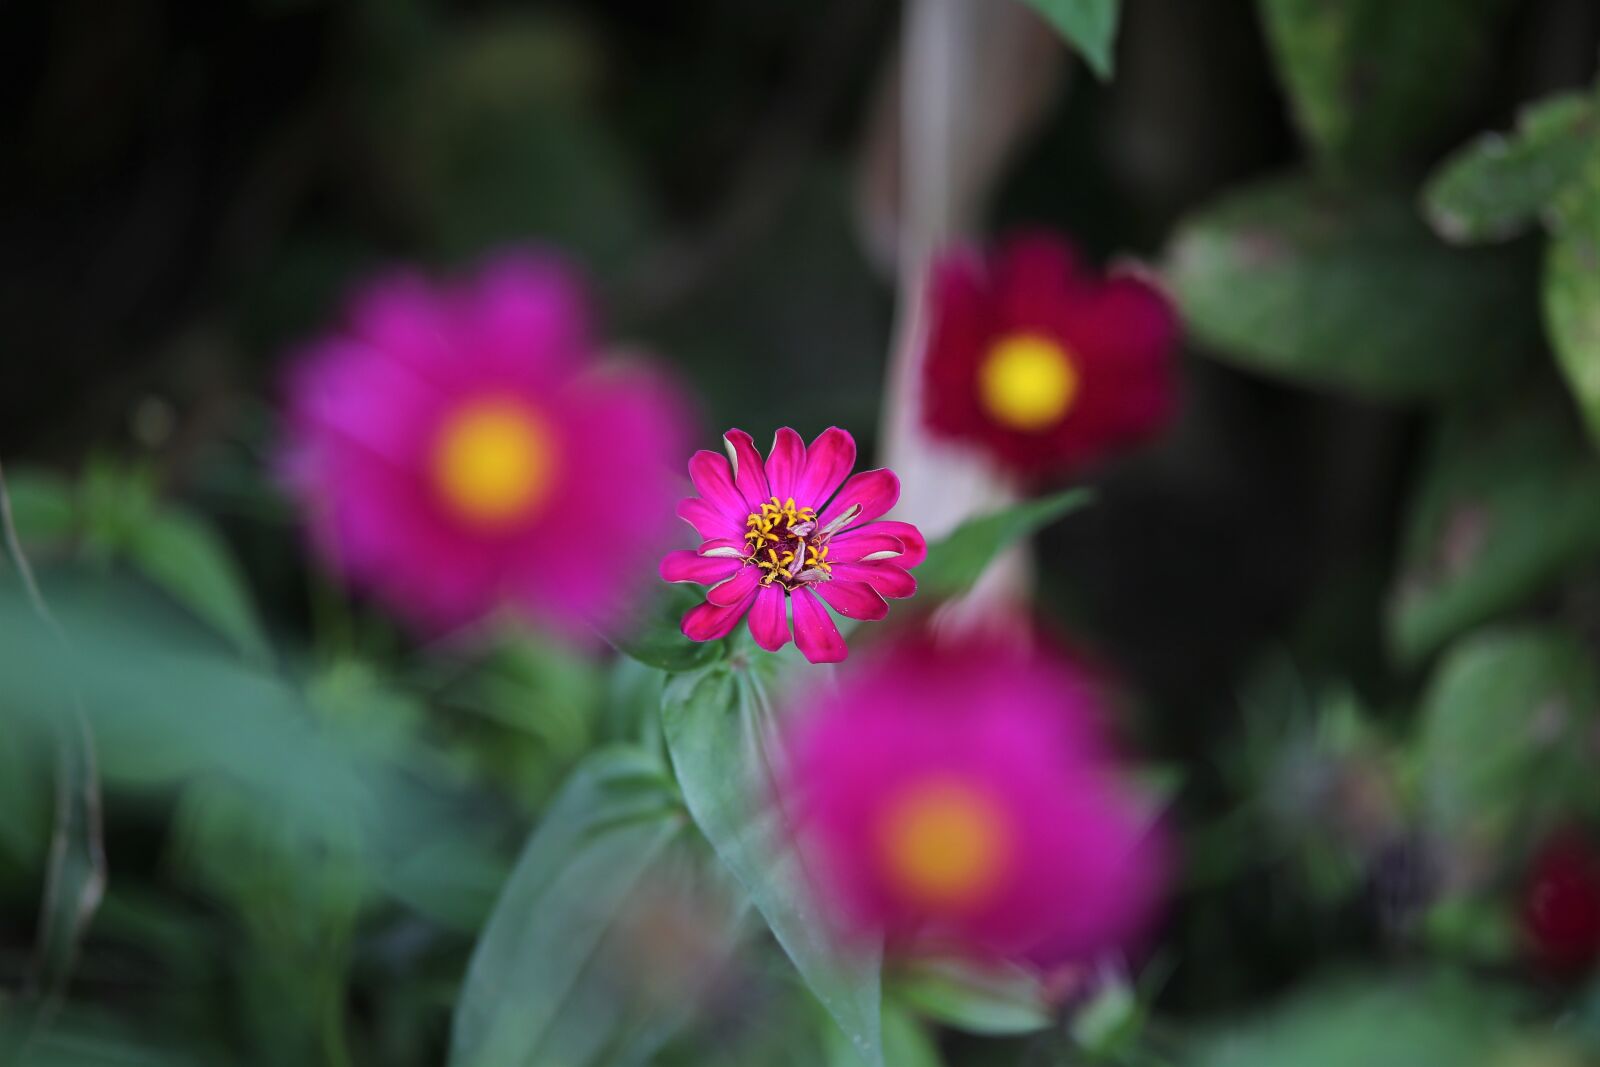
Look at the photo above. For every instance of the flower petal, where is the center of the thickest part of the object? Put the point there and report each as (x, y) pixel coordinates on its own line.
(708, 522)
(814, 632)
(853, 546)
(749, 473)
(785, 463)
(724, 547)
(687, 566)
(711, 622)
(853, 600)
(737, 587)
(711, 477)
(874, 492)
(889, 580)
(916, 546)
(828, 460)
(769, 618)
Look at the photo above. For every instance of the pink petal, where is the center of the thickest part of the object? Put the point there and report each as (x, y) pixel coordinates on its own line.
(710, 622)
(686, 566)
(769, 618)
(855, 545)
(738, 587)
(749, 473)
(708, 522)
(889, 580)
(711, 477)
(828, 460)
(853, 600)
(874, 492)
(814, 632)
(725, 547)
(916, 546)
(785, 463)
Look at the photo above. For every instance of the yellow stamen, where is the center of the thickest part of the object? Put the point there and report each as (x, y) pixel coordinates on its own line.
(494, 461)
(1028, 382)
(945, 844)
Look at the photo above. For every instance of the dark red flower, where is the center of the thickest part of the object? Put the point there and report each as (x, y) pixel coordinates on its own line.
(1561, 904)
(1043, 363)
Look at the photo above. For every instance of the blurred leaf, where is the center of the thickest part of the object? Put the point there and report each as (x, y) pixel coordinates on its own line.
(906, 1043)
(1090, 26)
(42, 505)
(1348, 290)
(186, 558)
(1109, 1022)
(1000, 999)
(540, 989)
(1572, 289)
(1508, 732)
(1497, 186)
(658, 639)
(721, 734)
(493, 142)
(1365, 77)
(1370, 1025)
(1506, 503)
(955, 563)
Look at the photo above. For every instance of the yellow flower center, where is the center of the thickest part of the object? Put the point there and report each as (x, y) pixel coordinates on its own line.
(493, 461)
(945, 844)
(1028, 382)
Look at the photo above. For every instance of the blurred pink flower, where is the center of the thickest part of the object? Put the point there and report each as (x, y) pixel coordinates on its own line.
(776, 533)
(457, 449)
(963, 797)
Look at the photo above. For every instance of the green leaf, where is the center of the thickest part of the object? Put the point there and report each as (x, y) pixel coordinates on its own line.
(955, 563)
(1572, 290)
(1088, 25)
(185, 558)
(1506, 503)
(1369, 1024)
(1507, 727)
(720, 731)
(564, 971)
(906, 1043)
(1497, 186)
(1349, 290)
(42, 505)
(1364, 77)
(657, 638)
(999, 999)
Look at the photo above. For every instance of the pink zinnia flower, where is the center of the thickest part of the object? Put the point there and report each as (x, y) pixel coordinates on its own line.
(457, 449)
(777, 533)
(1043, 364)
(962, 797)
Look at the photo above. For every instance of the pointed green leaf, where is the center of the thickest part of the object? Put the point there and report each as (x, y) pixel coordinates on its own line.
(1506, 503)
(1497, 186)
(1572, 290)
(996, 999)
(720, 731)
(1347, 289)
(1090, 26)
(655, 636)
(1364, 76)
(956, 562)
(556, 976)
(1508, 728)
(184, 557)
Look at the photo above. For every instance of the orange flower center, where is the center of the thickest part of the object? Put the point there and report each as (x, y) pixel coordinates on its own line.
(1028, 382)
(945, 844)
(493, 461)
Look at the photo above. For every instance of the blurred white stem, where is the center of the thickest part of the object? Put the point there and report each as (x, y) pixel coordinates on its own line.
(941, 156)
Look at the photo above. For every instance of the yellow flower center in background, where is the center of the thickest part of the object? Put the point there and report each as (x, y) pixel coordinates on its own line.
(945, 844)
(493, 461)
(1027, 382)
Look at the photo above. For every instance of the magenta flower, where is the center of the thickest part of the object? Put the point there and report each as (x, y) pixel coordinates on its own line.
(962, 797)
(458, 449)
(784, 532)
